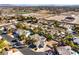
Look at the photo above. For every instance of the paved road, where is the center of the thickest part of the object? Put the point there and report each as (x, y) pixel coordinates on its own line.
(8, 38)
(27, 51)
(6, 24)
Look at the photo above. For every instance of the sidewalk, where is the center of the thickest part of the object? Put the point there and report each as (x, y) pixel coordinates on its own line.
(14, 52)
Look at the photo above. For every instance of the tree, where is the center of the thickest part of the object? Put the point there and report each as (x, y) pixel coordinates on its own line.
(69, 37)
(1, 32)
(22, 37)
(20, 18)
(37, 30)
(55, 50)
(10, 30)
(19, 25)
(71, 43)
(63, 42)
(76, 29)
(29, 41)
(56, 24)
(49, 37)
(32, 41)
(32, 19)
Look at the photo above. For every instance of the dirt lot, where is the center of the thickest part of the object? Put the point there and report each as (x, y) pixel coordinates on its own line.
(60, 17)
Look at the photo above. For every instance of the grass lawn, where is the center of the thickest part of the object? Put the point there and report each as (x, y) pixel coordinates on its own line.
(22, 12)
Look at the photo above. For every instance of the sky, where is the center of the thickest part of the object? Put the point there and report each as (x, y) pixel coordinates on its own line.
(41, 2)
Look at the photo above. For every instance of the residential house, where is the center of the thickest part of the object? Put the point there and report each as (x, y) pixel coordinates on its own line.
(40, 40)
(69, 29)
(76, 40)
(51, 43)
(66, 50)
(20, 32)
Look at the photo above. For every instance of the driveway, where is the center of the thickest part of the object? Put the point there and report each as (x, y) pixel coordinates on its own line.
(27, 51)
(7, 37)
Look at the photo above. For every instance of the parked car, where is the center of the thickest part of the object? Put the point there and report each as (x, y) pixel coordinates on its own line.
(15, 40)
(4, 32)
(18, 45)
(49, 52)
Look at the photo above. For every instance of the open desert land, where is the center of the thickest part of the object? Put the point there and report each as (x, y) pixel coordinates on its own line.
(44, 14)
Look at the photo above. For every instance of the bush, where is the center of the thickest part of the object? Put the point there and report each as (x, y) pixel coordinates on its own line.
(49, 37)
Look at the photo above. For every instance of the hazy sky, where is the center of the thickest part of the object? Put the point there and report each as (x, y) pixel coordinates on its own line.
(60, 2)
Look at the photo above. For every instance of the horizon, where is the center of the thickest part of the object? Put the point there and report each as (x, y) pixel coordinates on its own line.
(36, 5)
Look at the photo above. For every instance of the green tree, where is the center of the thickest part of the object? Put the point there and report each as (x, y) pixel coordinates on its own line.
(37, 30)
(49, 37)
(76, 29)
(69, 36)
(55, 49)
(56, 24)
(20, 18)
(71, 43)
(19, 25)
(22, 37)
(10, 30)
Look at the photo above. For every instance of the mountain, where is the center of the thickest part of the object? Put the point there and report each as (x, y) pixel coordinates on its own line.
(26, 5)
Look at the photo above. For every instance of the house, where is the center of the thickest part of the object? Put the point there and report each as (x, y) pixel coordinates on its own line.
(2, 28)
(66, 50)
(69, 29)
(12, 26)
(40, 40)
(51, 43)
(49, 52)
(27, 33)
(13, 21)
(0, 37)
(76, 40)
(20, 32)
(61, 34)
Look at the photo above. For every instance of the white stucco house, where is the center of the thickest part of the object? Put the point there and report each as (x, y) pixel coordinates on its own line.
(76, 40)
(40, 40)
(66, 50)
(26, 32)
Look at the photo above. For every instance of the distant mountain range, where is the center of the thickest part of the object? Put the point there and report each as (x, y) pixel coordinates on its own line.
(25, 5)
(34, 5)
